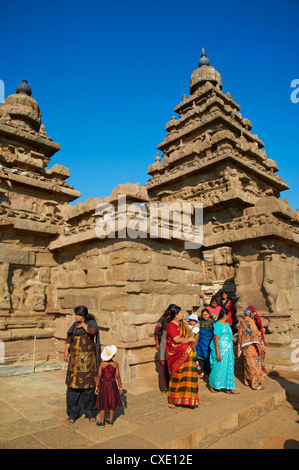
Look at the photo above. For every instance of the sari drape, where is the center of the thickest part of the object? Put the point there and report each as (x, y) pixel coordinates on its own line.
(250, 343)
(222, 373)
(229, 305)
(160, 336)
(259, 322)
(214, 311)
(181, 361)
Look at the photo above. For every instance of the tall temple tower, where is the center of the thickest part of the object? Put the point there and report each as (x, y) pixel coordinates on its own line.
(251, 237)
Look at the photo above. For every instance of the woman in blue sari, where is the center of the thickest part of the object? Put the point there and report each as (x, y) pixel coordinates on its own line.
(203, 347)
(222, 356)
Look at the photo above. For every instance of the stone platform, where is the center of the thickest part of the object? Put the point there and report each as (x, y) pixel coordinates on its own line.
(33, 416)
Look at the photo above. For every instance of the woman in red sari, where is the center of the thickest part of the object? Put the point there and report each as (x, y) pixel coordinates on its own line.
(181, 361)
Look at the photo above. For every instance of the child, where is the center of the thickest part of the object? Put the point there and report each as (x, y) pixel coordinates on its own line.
(204, 340)
(192, 325)
(192, 322)
(214, 308)
(108, 397)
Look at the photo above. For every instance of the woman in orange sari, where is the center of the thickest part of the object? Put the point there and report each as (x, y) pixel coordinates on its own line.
(250, 343)
(259, 325)
(181, 361)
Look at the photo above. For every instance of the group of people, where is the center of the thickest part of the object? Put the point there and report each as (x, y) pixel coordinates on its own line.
(192, 348)
(189, 349)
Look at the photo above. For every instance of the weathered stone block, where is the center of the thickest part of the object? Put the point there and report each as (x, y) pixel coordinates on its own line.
(127, 272)
(114, 302)
(14, 255)
(96, 278)
(105, 320)
(62, 324)
(142, 332)
(141, 356)
(178, 276)
(45, 259)
(136, 302)
(126, 334)
(72, 300)
(44, 275)
(158, 273)
(75, 278)
(130, 255)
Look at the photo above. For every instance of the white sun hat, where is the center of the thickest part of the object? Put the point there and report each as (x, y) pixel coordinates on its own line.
(108, 352)
(193, 317)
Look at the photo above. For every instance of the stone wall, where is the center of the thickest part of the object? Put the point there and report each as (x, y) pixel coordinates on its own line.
(127, 285)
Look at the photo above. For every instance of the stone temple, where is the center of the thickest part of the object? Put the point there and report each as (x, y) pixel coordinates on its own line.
(52, 258)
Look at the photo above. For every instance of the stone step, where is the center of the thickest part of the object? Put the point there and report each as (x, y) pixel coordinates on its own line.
(278, 429)
(218, 415)
(29, 367)
(34, 414)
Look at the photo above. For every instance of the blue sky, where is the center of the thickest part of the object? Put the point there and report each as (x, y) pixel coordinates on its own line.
(107, 77)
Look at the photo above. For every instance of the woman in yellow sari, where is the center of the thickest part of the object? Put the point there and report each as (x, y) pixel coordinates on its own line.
(181, 361)
(251, 344)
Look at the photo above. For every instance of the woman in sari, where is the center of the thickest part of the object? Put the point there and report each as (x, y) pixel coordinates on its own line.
(160, 335)
(250, 343)
(226, 302)
(259, 325)
(203, 347)
(214, 308)
(82, 352)
(222, 357)
(181, 361)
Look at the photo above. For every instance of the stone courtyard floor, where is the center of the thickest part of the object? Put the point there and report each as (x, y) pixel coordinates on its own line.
(33, 416)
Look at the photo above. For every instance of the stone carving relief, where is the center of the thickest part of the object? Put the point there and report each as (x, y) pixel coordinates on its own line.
(28, 289)
(268, 283)
(4, 289)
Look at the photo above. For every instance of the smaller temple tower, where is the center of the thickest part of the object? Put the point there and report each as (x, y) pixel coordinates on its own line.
(32, 199)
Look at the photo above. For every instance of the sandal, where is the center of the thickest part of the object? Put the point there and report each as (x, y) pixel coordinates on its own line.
(211, 389)
(171, 405)
(101, 423)
(259, 388)
(232, 392)
(71, 420)
(92, 420)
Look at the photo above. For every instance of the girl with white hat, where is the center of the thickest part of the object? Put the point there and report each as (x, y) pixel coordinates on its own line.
(107, 391)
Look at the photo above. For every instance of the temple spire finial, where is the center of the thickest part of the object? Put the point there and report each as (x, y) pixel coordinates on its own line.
(203, 60)
(24, 88)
